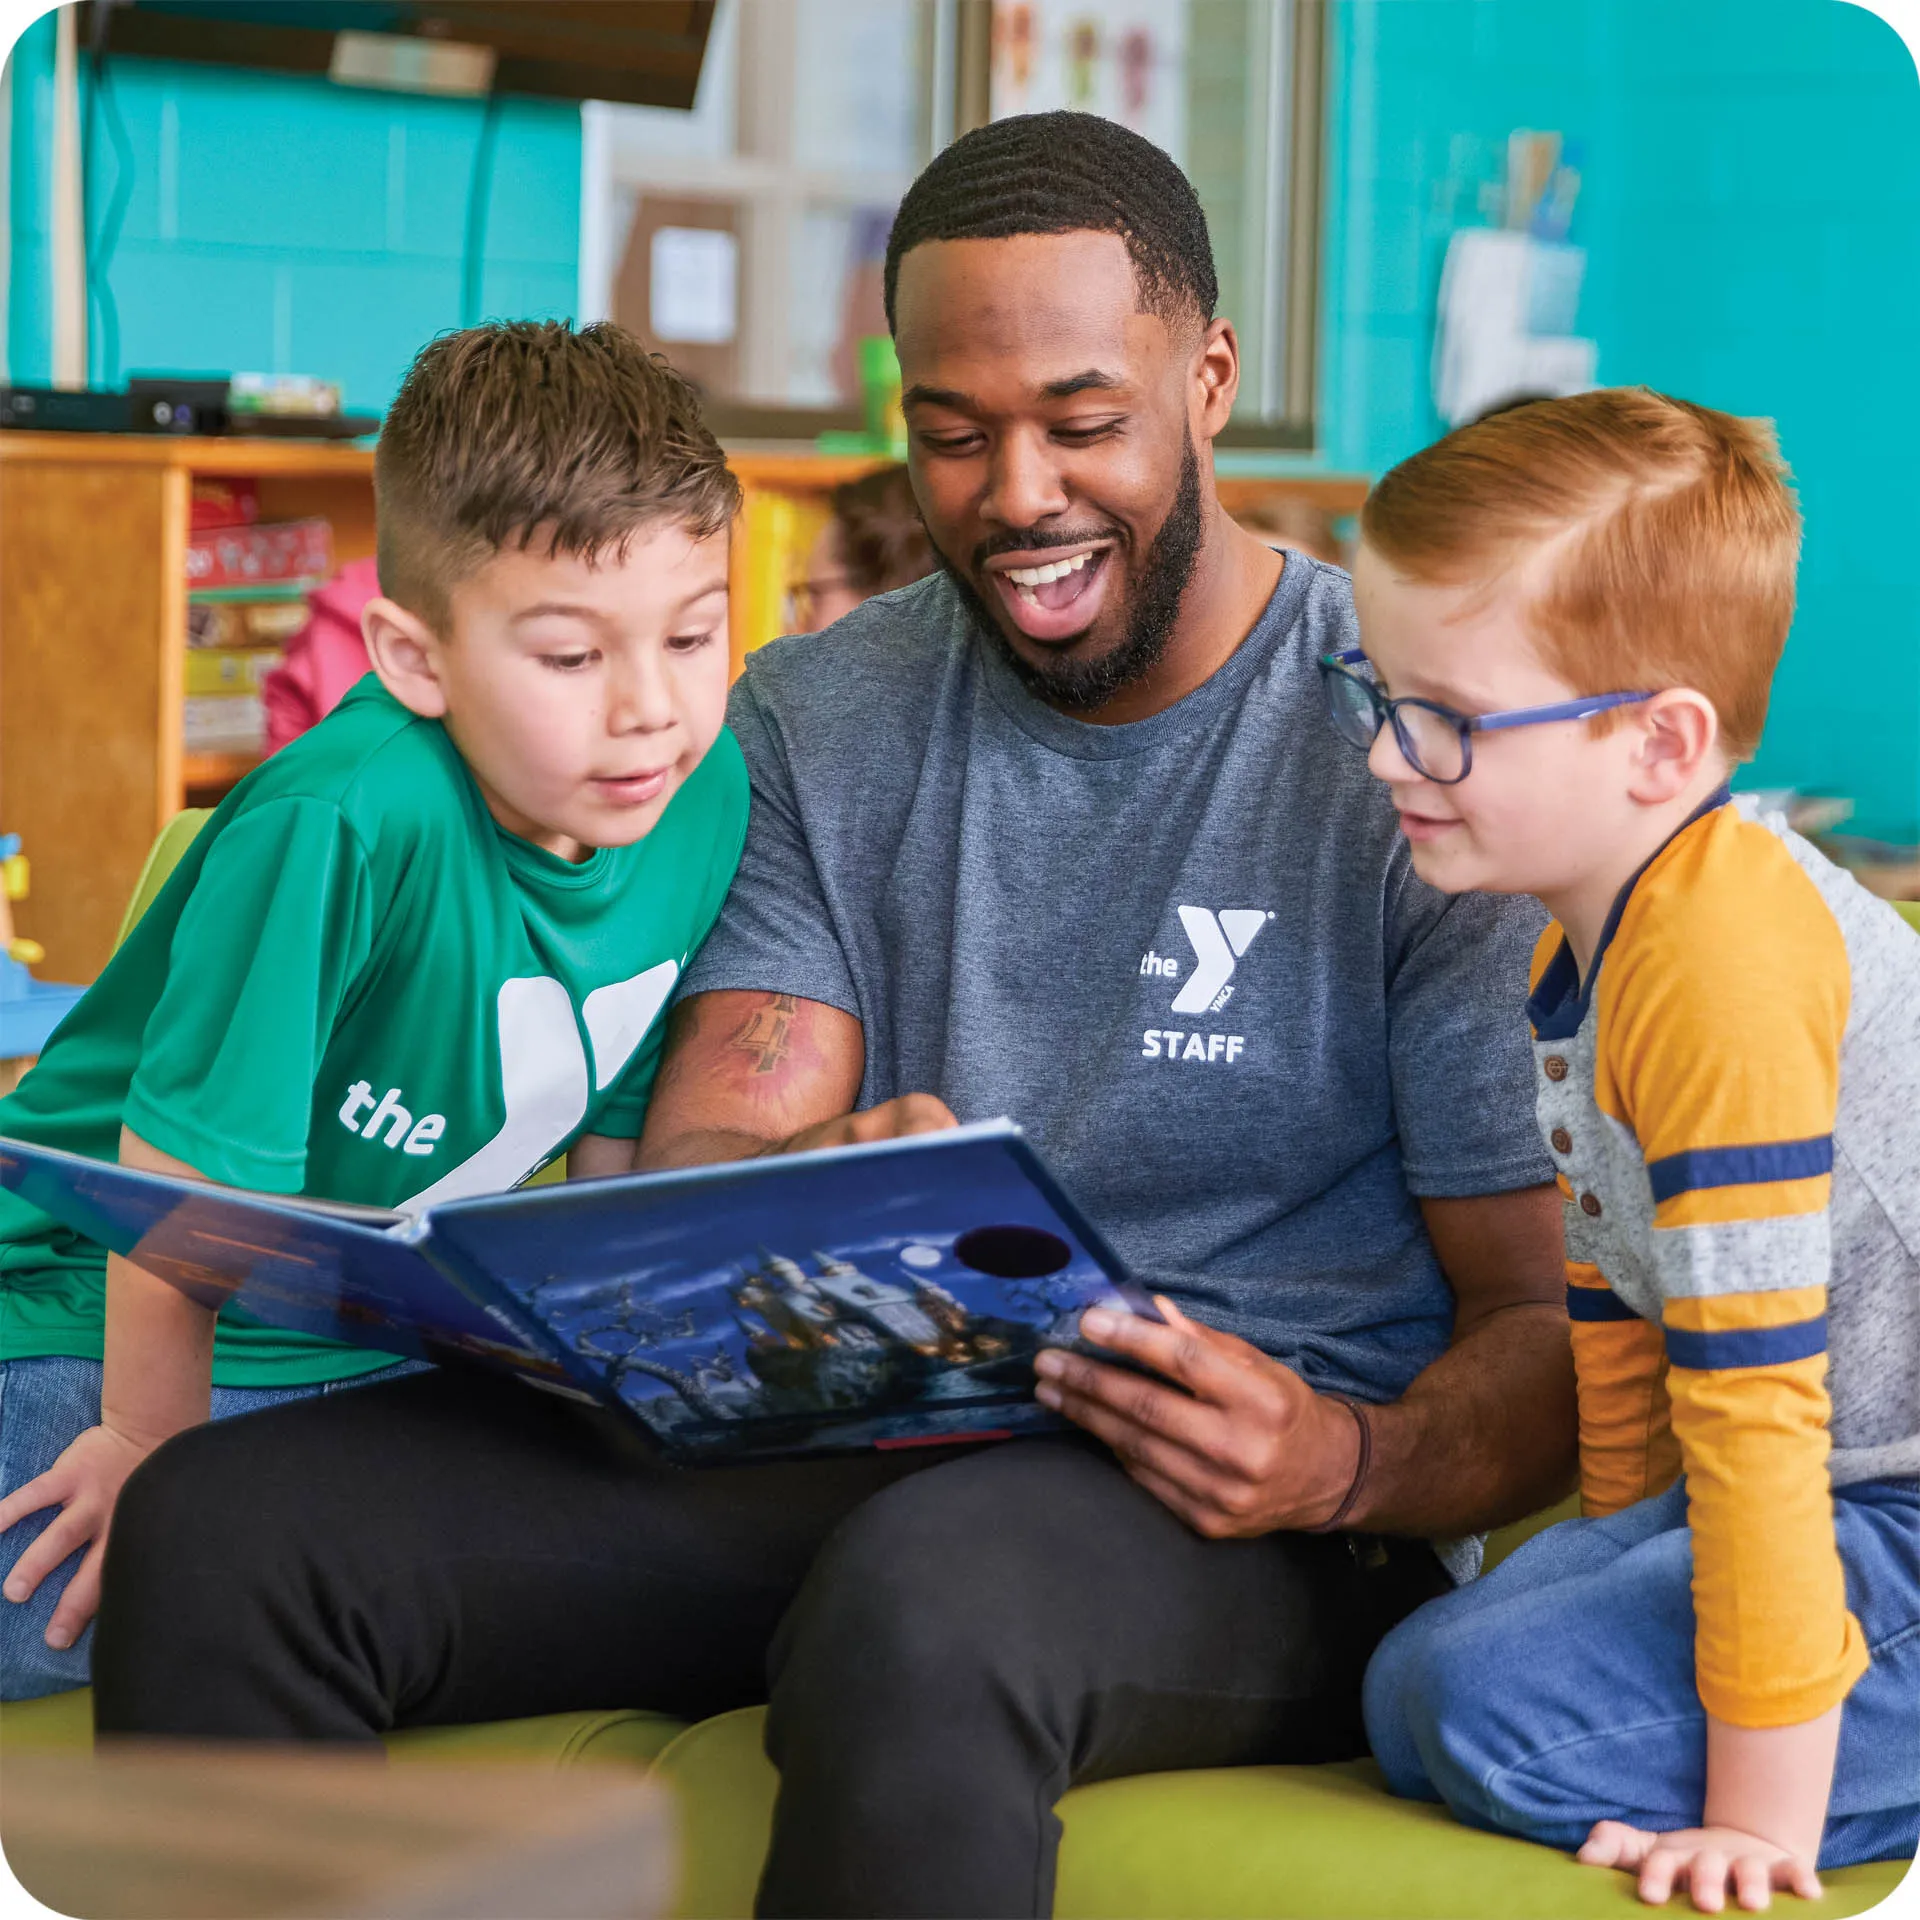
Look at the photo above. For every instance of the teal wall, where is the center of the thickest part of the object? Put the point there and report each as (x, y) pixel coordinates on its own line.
(283, 224)
(1752, 213)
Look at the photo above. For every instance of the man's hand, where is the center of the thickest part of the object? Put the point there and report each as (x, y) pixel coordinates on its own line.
(1704, 1860)
(1246, 1449)
(890, 1120)
(84, 1483)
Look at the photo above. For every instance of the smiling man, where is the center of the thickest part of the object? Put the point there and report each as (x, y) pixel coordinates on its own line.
(1061, 832)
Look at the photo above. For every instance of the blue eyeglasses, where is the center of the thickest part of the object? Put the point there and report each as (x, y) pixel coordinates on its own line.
(1436, 742)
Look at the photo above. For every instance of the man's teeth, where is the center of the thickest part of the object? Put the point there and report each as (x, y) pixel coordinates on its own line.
(1053, 570)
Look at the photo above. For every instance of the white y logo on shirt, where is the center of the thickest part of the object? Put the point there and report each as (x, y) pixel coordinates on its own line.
(1218, 944)
(543, 1072)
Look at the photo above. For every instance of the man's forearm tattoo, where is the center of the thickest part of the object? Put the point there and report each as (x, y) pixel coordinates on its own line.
(767, 1034)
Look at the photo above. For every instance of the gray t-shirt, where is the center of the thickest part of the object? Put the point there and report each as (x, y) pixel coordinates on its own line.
(1188, 955)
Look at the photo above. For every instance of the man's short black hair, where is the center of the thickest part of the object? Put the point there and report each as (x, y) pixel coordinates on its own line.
(1066, 173)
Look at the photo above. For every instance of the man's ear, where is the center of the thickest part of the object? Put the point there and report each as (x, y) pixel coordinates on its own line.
(405, 654)
(1678, 732)
(1216, 370)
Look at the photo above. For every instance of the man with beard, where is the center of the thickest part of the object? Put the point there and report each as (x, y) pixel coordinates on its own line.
(1061, 832)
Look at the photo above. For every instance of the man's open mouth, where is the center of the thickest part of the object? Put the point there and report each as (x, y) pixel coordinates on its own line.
(1053, 598)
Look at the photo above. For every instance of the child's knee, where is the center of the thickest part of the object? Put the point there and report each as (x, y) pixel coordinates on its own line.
(1394, 1699)
(1435, 1692)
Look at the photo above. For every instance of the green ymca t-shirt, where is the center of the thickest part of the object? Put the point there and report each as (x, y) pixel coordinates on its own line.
(357, 985)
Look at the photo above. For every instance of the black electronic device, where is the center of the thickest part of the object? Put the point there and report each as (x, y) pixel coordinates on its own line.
(162, 403)
(63, 410)
(647, 52)
(149, 406)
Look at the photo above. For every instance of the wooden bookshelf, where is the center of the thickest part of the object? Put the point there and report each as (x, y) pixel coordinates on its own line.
(93, 636)
(93, 604)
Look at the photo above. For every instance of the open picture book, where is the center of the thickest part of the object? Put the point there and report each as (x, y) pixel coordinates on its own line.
(892, 1294)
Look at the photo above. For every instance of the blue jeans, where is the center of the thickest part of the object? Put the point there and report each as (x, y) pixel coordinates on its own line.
(45, 1405)
(1558, 1690)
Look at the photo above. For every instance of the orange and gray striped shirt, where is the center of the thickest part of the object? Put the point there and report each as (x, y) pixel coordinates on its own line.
(1732, 1101)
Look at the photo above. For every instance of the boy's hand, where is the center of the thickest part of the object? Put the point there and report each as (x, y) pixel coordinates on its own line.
(84, 1483)
(1705, 1860)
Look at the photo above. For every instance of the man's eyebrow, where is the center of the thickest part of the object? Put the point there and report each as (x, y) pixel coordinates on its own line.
(1088, 380)
(1091, 380)
(921, 395)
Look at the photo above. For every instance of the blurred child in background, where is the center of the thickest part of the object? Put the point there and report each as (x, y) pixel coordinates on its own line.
(324, 658)
(873, 543)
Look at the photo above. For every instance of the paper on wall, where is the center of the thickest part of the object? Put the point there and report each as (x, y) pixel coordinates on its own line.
(1500, 292)
(693, 285)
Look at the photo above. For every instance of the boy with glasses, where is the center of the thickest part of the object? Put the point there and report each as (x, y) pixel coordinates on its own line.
(1571, 615)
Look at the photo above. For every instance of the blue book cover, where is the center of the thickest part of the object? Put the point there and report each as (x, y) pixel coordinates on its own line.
(885, 1295)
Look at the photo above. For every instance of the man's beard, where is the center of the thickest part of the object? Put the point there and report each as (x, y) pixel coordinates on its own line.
(1160, 583)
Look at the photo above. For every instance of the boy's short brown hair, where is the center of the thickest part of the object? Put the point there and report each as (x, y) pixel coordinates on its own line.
(1673, 531)
(526, 429)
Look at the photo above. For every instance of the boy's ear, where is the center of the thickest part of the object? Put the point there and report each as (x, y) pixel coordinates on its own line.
(405, 654)
(1678, 733)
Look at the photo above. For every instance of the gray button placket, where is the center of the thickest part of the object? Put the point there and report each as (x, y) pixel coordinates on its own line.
(1563, 1093)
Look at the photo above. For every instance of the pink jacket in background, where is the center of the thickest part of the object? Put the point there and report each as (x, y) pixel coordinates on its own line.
(323, 659)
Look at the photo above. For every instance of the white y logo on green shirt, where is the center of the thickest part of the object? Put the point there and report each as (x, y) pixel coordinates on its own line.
(543, 1079)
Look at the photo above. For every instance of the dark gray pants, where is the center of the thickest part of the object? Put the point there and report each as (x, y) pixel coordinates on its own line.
(950, 1639)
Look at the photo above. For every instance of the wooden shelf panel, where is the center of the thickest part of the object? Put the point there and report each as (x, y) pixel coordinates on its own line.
(229, 456)
(234, 456)
(224, 456)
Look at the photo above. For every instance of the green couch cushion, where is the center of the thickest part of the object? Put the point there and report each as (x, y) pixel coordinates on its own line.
(1510, 1539)
(55, 1723)
(1241, 1843)
(63, 1722)
(1266, 1843)
(548, 1739)
(1306, 1842)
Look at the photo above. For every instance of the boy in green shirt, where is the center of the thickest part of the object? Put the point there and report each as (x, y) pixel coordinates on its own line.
(419, 953)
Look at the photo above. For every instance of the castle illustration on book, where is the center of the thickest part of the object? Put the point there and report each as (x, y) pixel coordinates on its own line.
(779, 1342)
(820, 1342)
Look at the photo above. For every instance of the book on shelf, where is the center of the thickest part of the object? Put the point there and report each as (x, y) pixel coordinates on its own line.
(240, 622)
(218, 671)
(217, 502)
(292, 553)
(224, 723)
(893, 1294)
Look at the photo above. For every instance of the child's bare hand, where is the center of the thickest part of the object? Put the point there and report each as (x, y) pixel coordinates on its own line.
(1705, 1860)
(84, 1483)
